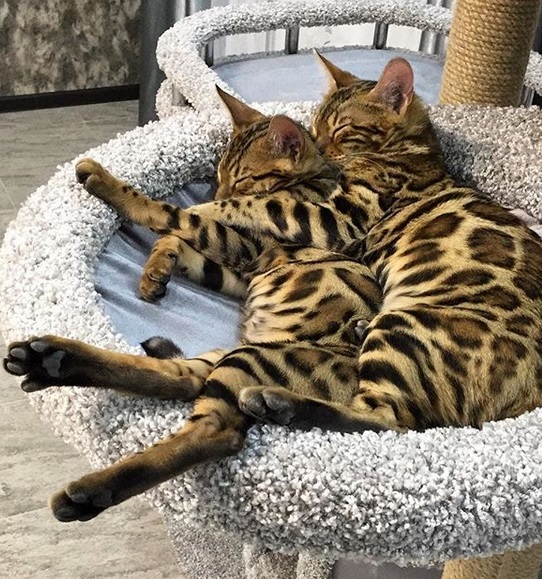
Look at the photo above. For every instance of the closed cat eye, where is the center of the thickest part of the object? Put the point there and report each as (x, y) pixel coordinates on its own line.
(340, 129)
(240, 182)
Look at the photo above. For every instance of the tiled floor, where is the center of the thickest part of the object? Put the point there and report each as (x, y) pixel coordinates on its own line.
(130, 542)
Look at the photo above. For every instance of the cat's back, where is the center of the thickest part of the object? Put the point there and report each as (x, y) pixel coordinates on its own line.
(463, 276)
(457, 248)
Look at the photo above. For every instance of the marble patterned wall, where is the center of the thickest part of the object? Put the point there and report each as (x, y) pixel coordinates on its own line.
(55, 45)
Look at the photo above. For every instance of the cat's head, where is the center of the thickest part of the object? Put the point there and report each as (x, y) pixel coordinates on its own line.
(264, 154)
(359, 116)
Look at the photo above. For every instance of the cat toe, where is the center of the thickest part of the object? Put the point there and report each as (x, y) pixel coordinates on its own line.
(267, 404)
(38, 360)
(252, 403)
(85, 168)
(153, 287)
(66, 510)
(19, 359)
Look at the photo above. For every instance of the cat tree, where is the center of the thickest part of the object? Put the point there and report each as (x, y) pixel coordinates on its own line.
(292, 503)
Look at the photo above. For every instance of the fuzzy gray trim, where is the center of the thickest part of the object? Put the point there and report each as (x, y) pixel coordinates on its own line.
(178, 50)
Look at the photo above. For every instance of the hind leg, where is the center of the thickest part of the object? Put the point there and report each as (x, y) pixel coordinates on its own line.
(324, 392)
(281, 406)
(56, 361)
(217, 429)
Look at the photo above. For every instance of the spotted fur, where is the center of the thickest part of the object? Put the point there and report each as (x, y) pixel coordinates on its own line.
(458, 340)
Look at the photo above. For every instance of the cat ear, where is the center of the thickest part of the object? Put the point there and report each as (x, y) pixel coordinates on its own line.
(395, 87)
(337, 78)
(286, 137)
(241, 114)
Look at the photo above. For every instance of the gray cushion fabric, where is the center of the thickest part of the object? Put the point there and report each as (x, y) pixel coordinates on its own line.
(296, 77)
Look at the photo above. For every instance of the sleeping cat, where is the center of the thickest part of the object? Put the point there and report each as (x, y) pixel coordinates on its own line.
(458, 340)
(277, 228)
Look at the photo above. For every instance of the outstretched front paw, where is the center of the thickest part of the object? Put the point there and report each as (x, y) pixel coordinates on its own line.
(81, 500)
(94, 178)
(276, 405)
(43, 361)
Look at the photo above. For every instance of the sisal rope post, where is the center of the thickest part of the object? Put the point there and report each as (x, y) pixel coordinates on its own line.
(511, 565)
(488, 51)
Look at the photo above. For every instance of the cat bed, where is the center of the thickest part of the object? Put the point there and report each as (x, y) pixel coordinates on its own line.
(179, 50)
(416, 498)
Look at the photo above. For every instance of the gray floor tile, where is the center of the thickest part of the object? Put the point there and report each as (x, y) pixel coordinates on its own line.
(5, 218)
(19, 187)
(44, 117)
(123, 110)
(6, 204)
(34, 143)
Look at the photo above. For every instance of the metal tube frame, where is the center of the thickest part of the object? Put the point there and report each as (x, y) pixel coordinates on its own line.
(291, 40)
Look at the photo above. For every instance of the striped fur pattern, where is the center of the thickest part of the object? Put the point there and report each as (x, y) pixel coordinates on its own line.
(277, 227)
(458, 340)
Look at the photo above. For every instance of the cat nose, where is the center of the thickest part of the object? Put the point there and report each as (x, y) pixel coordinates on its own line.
(321, 143)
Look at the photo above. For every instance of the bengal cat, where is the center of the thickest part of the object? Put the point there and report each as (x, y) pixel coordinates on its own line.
(458, 340)
(275, 227)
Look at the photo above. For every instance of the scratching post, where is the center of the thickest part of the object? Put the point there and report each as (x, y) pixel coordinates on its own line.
(511, 565)
(488, 51)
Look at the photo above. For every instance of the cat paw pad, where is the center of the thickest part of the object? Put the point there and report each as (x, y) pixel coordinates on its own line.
(38, 359)
(268, 404)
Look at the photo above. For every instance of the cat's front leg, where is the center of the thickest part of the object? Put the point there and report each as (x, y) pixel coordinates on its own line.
(55, 361)
(219, 243)
(159, 267)
(172, 254)
(128, 201)
(282, 217)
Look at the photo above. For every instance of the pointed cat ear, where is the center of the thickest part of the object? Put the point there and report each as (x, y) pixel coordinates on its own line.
(337, 78)
(286, 137)
(241, 114)
(395, 87)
